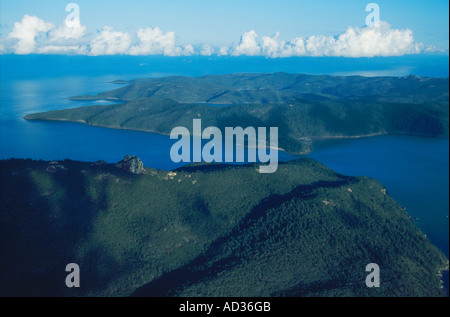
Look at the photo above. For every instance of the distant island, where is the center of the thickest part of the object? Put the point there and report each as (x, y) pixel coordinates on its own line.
(303, 107)
(206, 230)
(225, 230)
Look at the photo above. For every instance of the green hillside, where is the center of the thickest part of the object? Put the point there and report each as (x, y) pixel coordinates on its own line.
(297, 121)
(303, 107)
(205, 230)
(280, 87)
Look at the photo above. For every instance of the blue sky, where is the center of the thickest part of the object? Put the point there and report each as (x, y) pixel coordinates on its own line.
(219, 23)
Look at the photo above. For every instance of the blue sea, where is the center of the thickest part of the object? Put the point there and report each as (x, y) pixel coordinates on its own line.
(415, 170)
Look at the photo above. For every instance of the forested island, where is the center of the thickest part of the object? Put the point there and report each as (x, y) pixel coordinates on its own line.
(205, 230)
(225, 230)
(303, 107)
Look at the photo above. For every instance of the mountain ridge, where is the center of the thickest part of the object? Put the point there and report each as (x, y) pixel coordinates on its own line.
(219, 225)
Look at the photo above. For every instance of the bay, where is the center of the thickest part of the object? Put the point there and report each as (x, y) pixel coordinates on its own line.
(415, 170)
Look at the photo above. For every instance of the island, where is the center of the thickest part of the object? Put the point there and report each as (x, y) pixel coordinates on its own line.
(303, 107)
(206, 230)
(209, 229)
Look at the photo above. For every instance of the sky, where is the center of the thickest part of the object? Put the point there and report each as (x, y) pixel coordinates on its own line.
(280, 28)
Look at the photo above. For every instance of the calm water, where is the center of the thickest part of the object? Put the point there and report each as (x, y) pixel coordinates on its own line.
(414, 170)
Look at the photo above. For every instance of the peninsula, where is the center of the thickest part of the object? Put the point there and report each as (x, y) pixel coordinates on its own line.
(303, 107)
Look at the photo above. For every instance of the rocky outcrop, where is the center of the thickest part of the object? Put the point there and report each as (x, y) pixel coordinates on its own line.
(131, 164)
(54, 166)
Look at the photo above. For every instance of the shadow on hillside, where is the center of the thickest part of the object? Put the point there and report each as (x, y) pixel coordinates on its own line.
(44, 218)
(204, 267)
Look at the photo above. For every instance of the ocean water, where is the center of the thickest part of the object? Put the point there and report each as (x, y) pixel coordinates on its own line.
(414, 170)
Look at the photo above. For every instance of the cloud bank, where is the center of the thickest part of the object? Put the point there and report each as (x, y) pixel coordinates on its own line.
(33, 35)
(153, 41)
(354, 42)
(110, 42)
(26, 31)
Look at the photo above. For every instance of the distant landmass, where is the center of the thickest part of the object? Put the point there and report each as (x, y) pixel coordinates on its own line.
(279, 88)
(225, 230)
(303, 107)
(205, 230)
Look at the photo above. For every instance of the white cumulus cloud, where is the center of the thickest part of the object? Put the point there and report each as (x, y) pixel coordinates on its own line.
(206, 50)
(68, 31)
(188, 50)
(366, 42)
(110, 42)
(248, 45)
(224, 51)
(34, 35)
(66, 38)
(63, 49)
(354, 42)
(273, 47)
(153, 41)
(26, 31)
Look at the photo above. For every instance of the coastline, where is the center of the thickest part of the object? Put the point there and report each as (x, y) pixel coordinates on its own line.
(440, 273)
(441, 270)
(307, 139)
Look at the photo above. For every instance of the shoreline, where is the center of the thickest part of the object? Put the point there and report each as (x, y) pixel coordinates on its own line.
(308, 139)
(440, 272)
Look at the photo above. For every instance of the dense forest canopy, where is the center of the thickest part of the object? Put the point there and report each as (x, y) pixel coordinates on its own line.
(303, 107)
(206, 229)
